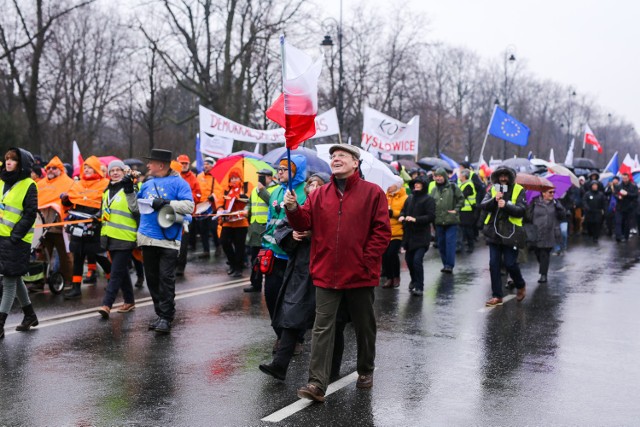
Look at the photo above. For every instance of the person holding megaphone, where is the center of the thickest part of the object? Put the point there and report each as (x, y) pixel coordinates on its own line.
(163, 201)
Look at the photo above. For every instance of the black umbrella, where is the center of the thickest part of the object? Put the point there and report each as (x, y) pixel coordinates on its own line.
(432, 163)
(133, 162)
(584, 163)
(408, 164)
(520, 164)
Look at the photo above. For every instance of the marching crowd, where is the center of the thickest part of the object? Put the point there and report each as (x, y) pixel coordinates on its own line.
(314, 240)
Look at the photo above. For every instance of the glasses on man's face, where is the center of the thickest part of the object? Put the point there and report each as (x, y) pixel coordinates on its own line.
(551, 192)
(282, 169)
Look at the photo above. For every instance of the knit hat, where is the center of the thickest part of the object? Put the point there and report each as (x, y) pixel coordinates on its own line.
(116, 164)
(293, 167)
(441, 172)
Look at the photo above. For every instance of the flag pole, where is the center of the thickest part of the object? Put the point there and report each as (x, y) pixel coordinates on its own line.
(584, 141)
(284, 76)
(486, 135)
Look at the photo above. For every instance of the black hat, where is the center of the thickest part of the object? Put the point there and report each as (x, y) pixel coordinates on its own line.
(466, 164)
(265, 171)
(164, 156)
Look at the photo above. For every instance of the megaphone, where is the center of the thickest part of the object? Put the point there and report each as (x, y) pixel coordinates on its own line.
(167, 216)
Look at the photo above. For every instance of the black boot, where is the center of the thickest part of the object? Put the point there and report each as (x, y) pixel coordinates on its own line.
(74, 292)
(30, 319)
(274, 370)
(543, 278)
(3, 318)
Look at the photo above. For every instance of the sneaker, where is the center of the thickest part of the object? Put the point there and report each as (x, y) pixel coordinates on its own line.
(126, 307)
(163, 326)
(251, 289)
(412, 286)
(447, 269)
(154, 324)
(365, 381)
(104, 311)
(311, 392)
(493, 302)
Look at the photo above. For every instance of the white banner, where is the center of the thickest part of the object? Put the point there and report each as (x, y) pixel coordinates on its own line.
(388, 135)
(213, 124)
(215, 146)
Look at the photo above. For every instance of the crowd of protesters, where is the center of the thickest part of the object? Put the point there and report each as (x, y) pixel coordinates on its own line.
(319, 243)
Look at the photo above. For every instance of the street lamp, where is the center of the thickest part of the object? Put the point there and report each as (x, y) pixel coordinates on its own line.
(509, 59)
(327, 43)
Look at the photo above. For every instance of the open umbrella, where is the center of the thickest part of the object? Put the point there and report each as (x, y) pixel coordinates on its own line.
(533, 182)
(433, 163)
(584, 163)
(408, 164)
(557, 170)
(519, 164)
(105, 160)
(314, 164)
(374, 170)
(247, 167)
(133, 162)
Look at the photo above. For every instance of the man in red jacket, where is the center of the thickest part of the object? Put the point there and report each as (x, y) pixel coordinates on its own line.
(349, 223)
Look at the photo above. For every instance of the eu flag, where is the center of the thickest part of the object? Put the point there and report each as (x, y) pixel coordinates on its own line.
(505, 127)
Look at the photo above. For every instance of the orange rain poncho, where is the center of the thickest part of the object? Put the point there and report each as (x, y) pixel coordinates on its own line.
(88, 190)
(49, 190)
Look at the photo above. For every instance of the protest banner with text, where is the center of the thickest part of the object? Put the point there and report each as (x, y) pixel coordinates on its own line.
(387, 135)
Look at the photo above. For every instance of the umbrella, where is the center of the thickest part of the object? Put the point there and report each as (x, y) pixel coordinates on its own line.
(105, 160)
(408, 164)
(519, 164)
(374, 170)
(584, 163)
(133, 162)
(247, 166)
(431, 163)
(314, 163)
(562, 183)
(533, 182)
(557, 169)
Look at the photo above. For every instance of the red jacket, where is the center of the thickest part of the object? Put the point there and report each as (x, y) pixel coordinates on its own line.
(350, 233)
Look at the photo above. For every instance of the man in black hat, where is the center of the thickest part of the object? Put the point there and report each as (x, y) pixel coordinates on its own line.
(258, 212)
(161, 243)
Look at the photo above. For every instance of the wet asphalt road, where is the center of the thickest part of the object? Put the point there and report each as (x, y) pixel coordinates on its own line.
(566, 355)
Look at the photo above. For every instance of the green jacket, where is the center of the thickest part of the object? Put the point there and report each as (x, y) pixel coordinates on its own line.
(448, 198)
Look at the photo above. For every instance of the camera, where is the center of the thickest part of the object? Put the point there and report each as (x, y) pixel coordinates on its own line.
(501, 188)
(262, 180)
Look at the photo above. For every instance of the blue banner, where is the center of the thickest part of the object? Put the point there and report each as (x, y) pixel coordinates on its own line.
(199, 159)
(505, 127)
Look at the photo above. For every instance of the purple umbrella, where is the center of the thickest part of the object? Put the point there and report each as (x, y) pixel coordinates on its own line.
(561, 183)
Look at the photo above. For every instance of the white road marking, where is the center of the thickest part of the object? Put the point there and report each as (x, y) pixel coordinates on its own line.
(143, 302)
(299, 405)
(504, 300)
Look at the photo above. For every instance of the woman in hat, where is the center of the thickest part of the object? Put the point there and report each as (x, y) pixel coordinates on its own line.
(18, 210)
(234, 227)
(120, 218)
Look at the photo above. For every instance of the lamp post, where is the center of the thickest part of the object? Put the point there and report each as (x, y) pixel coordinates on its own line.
(509, 59)
(327, 43)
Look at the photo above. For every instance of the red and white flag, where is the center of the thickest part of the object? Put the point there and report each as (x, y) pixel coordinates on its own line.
(77, 157)
(627, 166)
(590, 138)
(296, 109)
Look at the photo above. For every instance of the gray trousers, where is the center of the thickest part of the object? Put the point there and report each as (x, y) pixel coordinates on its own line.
(359, 303)
(13, 285)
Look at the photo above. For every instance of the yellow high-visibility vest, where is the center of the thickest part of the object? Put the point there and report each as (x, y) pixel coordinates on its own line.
(117, 220)
(259, 209)
(469, 202)
(11, 208)
(514, 196)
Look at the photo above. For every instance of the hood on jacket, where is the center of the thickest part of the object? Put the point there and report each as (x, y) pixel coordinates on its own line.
(301, 171)
(25, 160)
(501, 170)
(56, 163)
(594, 174)
(95, 164)
(424, 182)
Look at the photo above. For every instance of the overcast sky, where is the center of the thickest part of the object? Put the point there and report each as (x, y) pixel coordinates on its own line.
(589, 44)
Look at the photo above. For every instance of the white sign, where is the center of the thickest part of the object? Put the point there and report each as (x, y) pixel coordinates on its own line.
(388, 135)
(215, 146)
(213, 124)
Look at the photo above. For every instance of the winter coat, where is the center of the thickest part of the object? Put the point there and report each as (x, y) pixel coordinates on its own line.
(14, 252)
(448, 197)
(350, 232)
(626, 203)
(422, 207)
(396, 202)
(594, 204)
(296, 303)
(545, 217)
(499, 230)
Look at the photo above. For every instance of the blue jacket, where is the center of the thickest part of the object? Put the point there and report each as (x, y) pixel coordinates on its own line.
(172, 187)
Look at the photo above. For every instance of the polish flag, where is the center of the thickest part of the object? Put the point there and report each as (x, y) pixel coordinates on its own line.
(627, 165)
(77, 157)
(296, 109)
(590, 138)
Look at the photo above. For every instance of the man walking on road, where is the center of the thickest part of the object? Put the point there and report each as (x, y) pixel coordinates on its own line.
(160, 245)
(349, 223)
(449, 201)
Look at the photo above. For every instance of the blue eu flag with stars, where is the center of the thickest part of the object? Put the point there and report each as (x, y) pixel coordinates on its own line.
(505, 127)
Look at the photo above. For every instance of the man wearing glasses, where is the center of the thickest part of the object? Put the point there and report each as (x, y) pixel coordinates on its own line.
(506, 206)
(275, 216)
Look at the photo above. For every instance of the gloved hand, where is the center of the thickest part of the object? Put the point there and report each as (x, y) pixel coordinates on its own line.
(158, 203)
(127, 184)
(64, 198)
(211, 198)
(390, 213)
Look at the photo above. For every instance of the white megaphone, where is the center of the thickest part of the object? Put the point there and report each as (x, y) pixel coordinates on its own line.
(167, 216)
